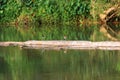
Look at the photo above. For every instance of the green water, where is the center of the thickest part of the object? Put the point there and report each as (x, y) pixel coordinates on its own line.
(59, 32)
(24, 64)
(29, 64)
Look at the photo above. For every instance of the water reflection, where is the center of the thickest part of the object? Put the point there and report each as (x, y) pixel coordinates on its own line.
(24, 64)
(61, 32)
(111, 31)
(46, 32)
(108, 32)
(5, 73)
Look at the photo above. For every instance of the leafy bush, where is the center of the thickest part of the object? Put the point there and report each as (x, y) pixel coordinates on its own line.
(62, 10)
(11, 10)
(26, 2)
(50, 11)
(2, 7)
(45, 10)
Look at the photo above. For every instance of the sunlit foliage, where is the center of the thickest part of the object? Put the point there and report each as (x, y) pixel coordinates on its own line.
(49, 11)
(45, 10)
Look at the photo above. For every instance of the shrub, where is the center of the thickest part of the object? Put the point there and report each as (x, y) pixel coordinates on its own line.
(11, 10)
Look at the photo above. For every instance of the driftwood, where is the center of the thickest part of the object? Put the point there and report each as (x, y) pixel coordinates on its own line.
(109, 14)
(86, 45)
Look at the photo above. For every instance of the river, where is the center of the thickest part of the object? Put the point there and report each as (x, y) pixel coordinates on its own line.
(41, 64)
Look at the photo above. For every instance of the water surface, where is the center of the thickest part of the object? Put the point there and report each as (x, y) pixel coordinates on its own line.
(60, 32)
(25, 64)
(29, 64)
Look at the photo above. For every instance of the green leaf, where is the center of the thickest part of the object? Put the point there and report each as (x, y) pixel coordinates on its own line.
(1, 11)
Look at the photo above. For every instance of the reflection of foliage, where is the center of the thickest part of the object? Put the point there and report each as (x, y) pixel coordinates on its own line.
(5, 72)
(45, 32)
(3, 65)
(27, 64)
(114, 27)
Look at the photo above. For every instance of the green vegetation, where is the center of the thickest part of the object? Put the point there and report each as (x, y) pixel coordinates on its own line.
(51, 11)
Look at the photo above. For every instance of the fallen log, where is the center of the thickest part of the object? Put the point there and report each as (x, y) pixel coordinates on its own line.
(109, 14)
(84, 45)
